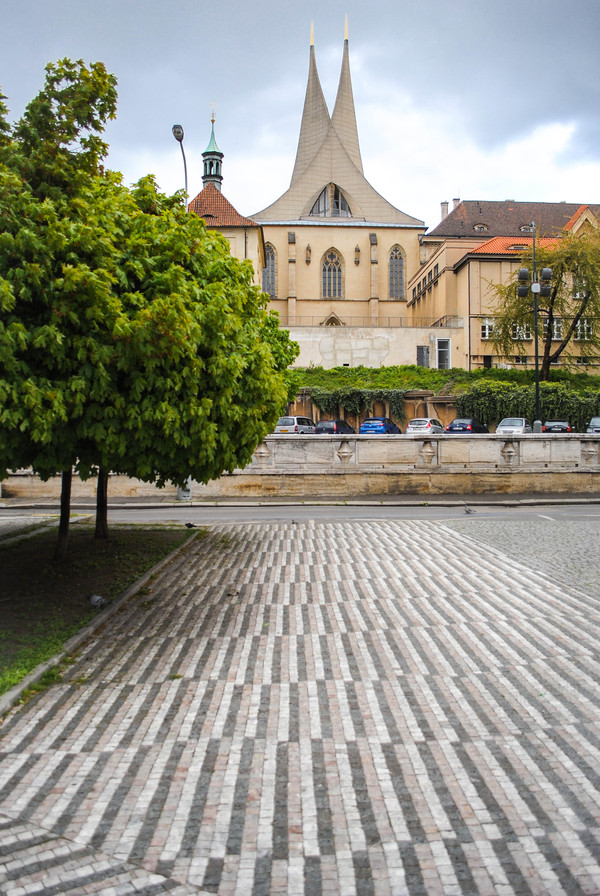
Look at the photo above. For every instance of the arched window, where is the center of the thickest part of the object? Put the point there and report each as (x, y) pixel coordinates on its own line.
(332, 275)
(268, 274)
(396, 273)
(331, 203)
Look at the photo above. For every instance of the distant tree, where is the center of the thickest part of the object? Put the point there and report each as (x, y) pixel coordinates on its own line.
(130, 339)
(571, 314)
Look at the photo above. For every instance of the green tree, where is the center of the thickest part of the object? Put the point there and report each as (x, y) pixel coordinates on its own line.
(130, 339)
(54, 290)
(569, 315)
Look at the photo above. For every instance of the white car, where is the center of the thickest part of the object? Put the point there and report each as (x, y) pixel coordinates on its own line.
(513, 426)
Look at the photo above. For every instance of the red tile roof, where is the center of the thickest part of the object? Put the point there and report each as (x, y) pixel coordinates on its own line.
(217, 211)
(510, 245)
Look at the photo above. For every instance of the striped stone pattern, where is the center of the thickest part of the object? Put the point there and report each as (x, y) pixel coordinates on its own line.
(337, 708)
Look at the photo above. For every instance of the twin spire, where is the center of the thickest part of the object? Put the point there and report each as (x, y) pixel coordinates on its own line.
(328, 162)
(316, 121)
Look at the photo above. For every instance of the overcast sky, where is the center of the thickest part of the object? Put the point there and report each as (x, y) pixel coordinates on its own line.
(477, 99)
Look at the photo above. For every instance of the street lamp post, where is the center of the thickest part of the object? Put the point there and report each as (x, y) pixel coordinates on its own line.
(178, 134)
(183, 494)
(538, 287)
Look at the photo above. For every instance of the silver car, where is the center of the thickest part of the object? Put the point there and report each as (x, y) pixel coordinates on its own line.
(424, 425)
(513, 426)
(295, 425)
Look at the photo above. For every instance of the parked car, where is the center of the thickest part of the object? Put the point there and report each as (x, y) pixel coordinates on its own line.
(513, 426)
(466, 425)
(334, 427)
(295, 425)
(424, 425)
(556, 426)
(593, 425)
(378, 425)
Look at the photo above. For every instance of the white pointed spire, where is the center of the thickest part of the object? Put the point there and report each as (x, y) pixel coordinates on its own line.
(315, 117)
(344, 116)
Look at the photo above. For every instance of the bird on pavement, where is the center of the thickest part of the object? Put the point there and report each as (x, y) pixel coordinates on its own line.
(469, 509)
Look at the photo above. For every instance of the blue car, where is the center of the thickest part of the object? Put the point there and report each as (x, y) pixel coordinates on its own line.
(378, 426)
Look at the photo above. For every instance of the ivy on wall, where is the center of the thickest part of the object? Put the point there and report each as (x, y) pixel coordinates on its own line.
(359, 402)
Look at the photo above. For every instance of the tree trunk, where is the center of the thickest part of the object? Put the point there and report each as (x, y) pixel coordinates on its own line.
(65, 514)
(102, 504)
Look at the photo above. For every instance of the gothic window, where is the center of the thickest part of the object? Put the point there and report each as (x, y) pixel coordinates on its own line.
(268, 274)
(396, 273)
(331, 203)
(332, 275)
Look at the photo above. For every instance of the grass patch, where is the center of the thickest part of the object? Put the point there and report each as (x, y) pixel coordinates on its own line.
(44, 602)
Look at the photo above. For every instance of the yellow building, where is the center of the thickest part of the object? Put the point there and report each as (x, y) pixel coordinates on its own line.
(476, 245)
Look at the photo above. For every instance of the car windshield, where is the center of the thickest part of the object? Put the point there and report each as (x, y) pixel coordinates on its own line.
(512, 421)
(462, 422)
(285, 421)
(418, 422)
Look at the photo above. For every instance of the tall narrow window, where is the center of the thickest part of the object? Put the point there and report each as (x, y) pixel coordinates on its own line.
(396, 274)
(332, 275)
(268, 274)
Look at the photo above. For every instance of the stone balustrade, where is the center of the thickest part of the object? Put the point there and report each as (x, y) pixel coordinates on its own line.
(352, 466)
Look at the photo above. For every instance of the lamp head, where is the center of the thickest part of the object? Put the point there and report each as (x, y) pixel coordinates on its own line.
(178, 132)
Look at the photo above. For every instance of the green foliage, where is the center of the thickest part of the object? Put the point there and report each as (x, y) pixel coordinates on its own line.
(357, 402)
(130, 338)
(490, 402)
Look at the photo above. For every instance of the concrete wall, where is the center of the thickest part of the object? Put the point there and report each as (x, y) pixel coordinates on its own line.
(352, 466)
(372, 346)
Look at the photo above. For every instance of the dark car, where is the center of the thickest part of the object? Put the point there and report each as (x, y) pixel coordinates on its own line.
(594, 425)
(556, 426)
(378, 426)
(466, 425)
(334, 427)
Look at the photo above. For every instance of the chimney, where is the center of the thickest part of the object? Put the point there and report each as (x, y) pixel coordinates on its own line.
(455, 203)
(444, 210)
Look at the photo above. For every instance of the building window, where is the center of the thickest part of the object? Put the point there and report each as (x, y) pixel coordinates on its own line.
(268, 274)
(480, 228)
(331, 203)
(443, 354)
(583, 330)
(436, 271)
(396, 273)
(521, 332)
(556, 329)
(487, 328)
(332, 275)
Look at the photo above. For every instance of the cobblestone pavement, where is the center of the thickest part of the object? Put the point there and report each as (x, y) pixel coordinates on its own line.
(326, 707)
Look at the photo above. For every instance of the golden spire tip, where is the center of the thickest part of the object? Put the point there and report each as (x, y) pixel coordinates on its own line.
(346, 30)
(312, 34)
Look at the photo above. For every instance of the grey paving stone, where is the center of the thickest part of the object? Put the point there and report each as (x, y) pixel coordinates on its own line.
(361, 707)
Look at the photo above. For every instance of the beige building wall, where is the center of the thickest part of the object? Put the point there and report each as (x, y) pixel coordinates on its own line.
(246, 243)
(365, 253)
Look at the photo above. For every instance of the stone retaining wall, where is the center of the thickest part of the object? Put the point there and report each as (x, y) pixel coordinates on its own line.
(353, 466)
